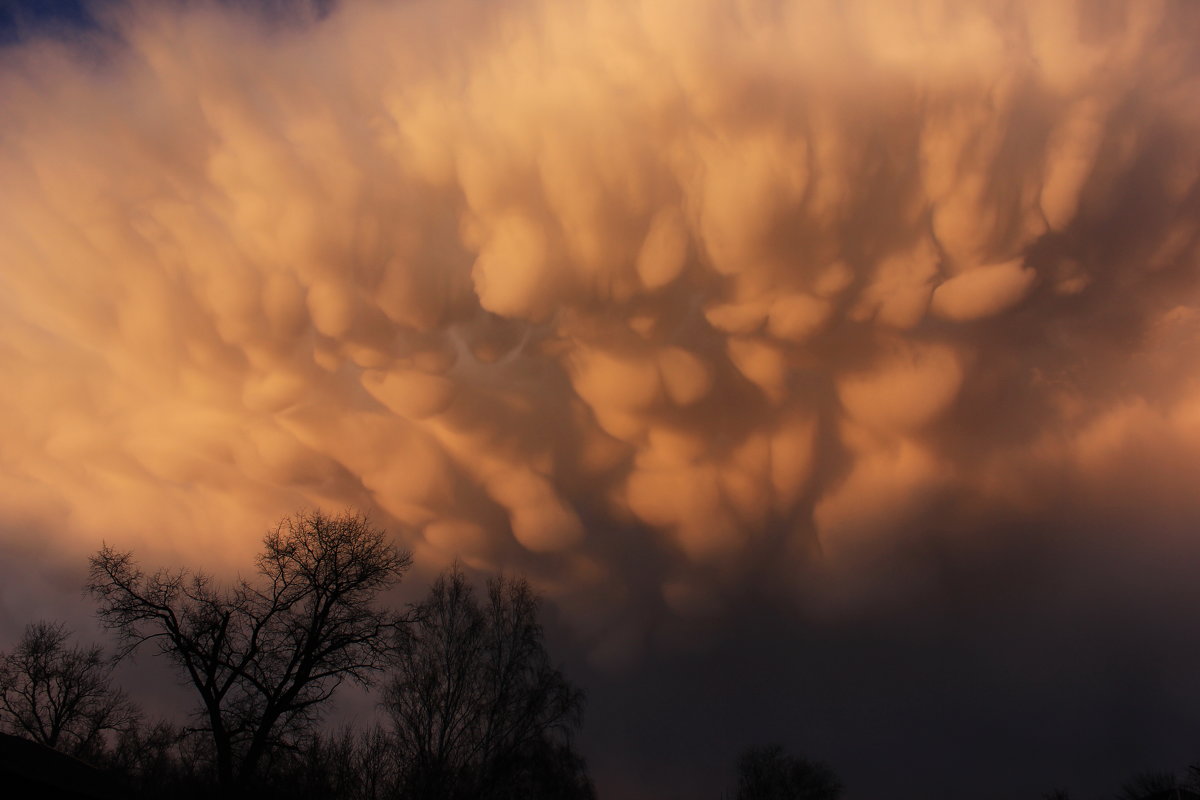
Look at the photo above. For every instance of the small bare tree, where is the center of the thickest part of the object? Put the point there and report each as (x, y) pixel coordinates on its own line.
(1151, 786)
(60, 694)
(264, 655)
(769, 773)
(477, 708)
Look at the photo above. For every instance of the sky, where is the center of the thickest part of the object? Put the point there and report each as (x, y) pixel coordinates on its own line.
(828, 365)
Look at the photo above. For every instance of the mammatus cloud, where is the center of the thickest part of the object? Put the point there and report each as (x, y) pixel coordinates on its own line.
(628, 295)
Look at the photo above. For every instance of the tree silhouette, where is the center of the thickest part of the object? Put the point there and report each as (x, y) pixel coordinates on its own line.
(59, 694)
(346, 764)
(1152, 786)
(263, 656)
(160, 759)
(478, 709)
(768, 773)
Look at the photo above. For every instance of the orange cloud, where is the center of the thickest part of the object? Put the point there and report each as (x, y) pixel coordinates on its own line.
(513, 275)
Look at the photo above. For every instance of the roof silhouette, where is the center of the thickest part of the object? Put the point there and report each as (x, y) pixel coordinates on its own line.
(30, 769)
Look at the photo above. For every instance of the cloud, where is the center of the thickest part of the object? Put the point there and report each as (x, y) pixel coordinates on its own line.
(517, 276)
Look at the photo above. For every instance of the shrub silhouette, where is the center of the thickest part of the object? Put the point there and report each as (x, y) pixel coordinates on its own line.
(769, 773)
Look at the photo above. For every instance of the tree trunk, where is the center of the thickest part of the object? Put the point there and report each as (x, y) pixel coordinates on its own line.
(257, 749)
(225, 776)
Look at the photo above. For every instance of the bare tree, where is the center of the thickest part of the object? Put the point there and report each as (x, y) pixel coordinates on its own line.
(60, 694)
(348, 763)
(160, 759)
(478, 709)
(769, 773)
(1151, 786)
(264, 655)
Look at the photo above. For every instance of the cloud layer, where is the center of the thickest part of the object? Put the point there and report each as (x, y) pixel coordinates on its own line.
(641, 298)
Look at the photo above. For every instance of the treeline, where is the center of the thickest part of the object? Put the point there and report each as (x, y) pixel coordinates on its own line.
(474, 707)
(1150, 786)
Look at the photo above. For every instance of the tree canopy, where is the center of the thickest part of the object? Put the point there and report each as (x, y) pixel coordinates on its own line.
(263, 655)
(770, 773)
(478, 709)
(60, 694)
